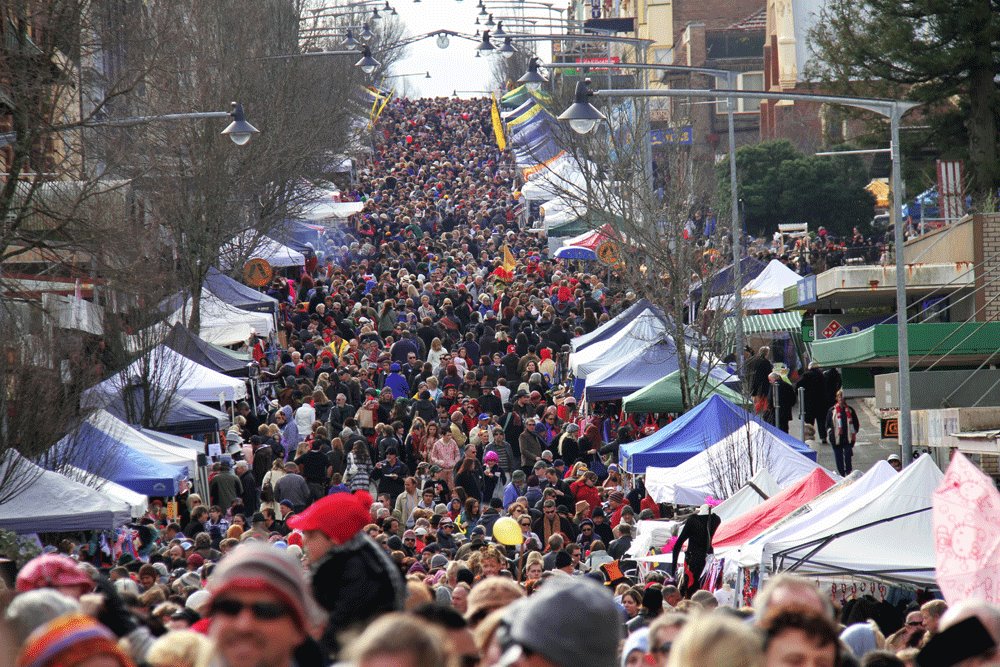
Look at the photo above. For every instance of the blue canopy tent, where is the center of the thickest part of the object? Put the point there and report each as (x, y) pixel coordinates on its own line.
(643, 367)
(721, 281)
(612, 326)
(576, 252)
(237, 294)
(180, 416)
(100, 453)
(203, 353)
(688, 435)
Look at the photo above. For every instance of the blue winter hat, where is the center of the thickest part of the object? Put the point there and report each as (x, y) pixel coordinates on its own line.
(394, 368)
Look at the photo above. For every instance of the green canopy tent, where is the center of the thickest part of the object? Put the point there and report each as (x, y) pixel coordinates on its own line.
(664, 395)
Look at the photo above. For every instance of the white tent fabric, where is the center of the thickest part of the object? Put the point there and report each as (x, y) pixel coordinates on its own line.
(698, 474)
(645, 329)
(553, 184)
(264, 247)
(332, 210)
(829, 502)
(163, 367)
(137, 502)
(54, 503)
(766, 291)
(886, 533)
(561, 210)
(650, 535)
(740, 502)
(139, 441)
(223, 324)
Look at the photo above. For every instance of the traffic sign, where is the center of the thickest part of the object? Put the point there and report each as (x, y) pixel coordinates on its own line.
(257, 272)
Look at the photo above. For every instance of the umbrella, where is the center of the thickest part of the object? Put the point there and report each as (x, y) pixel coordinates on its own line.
(575, 252)
(967, 533)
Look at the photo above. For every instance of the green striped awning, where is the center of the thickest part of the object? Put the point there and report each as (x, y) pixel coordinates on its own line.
(790, 321)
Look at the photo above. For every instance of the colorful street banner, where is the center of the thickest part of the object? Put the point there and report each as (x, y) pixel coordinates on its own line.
(497, 125)
(672, 136)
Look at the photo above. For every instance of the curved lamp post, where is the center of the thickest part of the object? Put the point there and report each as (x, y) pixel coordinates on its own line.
(583, 112)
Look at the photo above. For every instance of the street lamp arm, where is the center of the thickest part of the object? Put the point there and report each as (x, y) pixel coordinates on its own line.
(573, 37)
(241, 129)
(722, 73)
(435, 33)
(885, 107)
(311, 54)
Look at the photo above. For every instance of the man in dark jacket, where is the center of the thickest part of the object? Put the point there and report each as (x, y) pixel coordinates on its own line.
(814, 397)
(225, 487)
(390, 474)
(842, 432)
(757, 370)
(250, 495)
(353, 578)
(786, 400)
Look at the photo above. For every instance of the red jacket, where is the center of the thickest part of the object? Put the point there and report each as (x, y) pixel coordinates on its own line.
(590, 494)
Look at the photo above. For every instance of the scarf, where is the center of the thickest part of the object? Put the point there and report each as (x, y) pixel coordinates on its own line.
(838, 414)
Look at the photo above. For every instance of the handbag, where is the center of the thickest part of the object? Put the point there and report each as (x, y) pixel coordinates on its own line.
(366, 416)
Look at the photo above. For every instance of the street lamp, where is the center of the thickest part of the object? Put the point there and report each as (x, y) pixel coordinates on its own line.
(367, 63)
(366, 33)
(239, 130)
(499, 32)
(892, 109)
(532, 79)
(349, 40)
(490, 22)
(485, 45)
(583, 116)
(507, 50)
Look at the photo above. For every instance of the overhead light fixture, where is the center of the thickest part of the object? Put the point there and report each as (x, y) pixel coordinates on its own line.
(490, 22)
(367, 63)
(239, 131)
(350, 42)
(428, 75)
(477, 21)
(482, 9)
(583, 116)
(507, 50)
(366, 33)
(532, 78)
(375, 15)
(485, 44)
(499, 32)
(387, 8)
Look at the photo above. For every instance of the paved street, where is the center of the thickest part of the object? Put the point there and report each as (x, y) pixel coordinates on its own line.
(870, 447)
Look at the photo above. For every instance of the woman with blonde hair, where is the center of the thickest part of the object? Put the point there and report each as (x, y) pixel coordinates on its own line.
(719, 641)
(434, 354)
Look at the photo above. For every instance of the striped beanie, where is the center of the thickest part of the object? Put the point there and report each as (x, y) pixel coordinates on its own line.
(261, 567)
(68, 640)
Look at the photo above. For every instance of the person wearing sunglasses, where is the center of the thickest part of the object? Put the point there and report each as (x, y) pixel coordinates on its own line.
(261, 608)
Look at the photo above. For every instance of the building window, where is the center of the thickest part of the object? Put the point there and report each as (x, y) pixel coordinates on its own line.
(745, 81)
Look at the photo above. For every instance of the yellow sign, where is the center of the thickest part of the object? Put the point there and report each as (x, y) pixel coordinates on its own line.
(608, 253)
(172, 513)
(257, 272)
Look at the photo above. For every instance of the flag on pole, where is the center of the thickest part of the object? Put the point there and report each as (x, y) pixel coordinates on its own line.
(497, 125)
(509, 263)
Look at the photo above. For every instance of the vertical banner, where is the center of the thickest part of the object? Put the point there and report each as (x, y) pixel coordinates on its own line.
(950, 190)
(497, 125)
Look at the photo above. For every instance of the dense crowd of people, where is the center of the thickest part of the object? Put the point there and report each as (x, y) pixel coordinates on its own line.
(423, 490)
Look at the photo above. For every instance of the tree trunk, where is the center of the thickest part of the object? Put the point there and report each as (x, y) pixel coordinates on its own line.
(983, 111)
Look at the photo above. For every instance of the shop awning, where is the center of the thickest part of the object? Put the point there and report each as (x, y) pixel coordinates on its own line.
(961, 343)
(790, 322)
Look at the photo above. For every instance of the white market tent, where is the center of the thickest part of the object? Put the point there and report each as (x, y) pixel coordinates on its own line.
(156, 449)
(829, 502)
(697, 475)
(765, 292)
(552, 184)
(561, 210)
(264, 247)
(886, 533)
(165, 368)
(53, 503)
(137, 502)
(645, 329)
(223, 324)
(760, 487)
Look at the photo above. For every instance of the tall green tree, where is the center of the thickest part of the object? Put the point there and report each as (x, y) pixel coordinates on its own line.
(778, 184)
(941, 52)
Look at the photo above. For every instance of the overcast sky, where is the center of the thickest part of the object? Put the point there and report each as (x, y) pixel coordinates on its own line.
(454, 68)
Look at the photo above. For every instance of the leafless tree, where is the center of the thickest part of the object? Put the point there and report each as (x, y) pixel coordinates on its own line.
(666, 220)
(739, 457)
